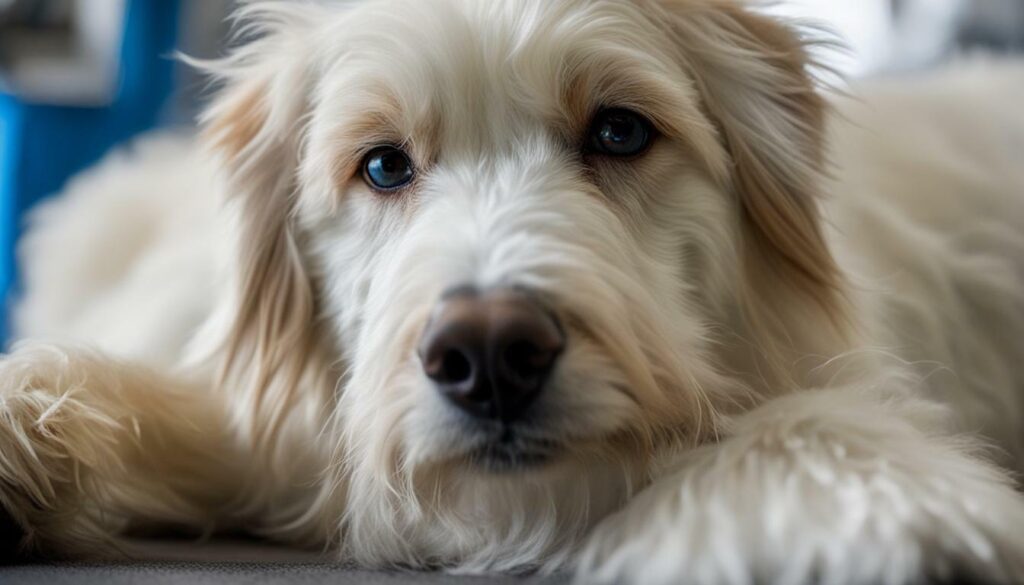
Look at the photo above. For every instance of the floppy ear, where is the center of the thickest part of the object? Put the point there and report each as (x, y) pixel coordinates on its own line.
(753, 74)
(254, 125)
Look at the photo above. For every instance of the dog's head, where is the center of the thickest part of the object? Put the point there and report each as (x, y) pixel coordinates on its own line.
(539, 240)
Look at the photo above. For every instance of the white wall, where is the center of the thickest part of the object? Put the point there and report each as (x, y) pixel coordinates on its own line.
(877, 41)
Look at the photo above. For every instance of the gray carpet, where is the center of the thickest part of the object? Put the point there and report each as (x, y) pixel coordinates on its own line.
(217, 573)
(249, 563)
(187, 563)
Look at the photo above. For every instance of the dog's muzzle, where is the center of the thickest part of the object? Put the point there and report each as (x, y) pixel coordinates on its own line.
(491, 352)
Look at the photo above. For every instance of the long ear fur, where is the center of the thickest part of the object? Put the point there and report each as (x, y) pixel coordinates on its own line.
(754, 75)
(254, 125)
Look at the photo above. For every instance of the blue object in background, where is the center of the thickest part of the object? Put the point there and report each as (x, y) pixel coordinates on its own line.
(41, 145)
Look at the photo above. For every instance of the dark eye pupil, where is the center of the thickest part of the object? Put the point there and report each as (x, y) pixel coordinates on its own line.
(388, 168)
(620, 133)
(618, 129)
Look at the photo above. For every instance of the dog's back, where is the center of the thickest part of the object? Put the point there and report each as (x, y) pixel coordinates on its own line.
(125, 259)
(928, 209)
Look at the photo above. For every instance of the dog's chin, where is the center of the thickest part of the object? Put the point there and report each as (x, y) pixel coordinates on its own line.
(510, 454)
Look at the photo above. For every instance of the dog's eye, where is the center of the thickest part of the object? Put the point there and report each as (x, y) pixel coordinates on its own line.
(387, 168)
(619, 132)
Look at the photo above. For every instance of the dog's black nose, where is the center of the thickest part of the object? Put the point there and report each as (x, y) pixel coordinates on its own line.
(491, 352)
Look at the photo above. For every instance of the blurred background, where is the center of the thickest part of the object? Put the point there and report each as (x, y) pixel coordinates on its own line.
(79, 77)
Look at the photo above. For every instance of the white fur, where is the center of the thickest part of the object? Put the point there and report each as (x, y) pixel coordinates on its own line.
(706, 436)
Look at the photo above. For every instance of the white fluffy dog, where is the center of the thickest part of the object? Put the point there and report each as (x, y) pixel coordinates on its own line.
(513, 285)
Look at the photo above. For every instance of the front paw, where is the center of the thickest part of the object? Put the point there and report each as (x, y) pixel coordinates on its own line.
(804, 513)
(51, 445)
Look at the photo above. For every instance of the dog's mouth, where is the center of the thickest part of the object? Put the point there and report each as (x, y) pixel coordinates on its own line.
(512, 452)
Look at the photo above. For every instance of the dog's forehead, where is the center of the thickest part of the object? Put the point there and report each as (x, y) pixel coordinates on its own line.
(486, 62)
(502, 30)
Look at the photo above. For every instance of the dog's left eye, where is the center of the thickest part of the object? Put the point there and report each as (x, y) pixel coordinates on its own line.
(387, 168)
(619, 132)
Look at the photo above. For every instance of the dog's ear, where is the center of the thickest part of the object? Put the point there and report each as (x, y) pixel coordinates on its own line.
(254, 127)
(753, 75)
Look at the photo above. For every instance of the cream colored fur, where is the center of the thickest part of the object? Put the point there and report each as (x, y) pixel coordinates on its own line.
(794, 334)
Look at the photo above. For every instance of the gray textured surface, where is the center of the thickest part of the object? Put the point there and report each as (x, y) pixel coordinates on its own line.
(215, 563)
(189, 573)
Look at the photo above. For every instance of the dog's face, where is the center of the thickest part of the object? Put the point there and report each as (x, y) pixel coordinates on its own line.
(519, 227)
(536, 158)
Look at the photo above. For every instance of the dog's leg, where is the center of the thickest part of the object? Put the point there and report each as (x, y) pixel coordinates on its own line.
(837, 486)
(90, 446)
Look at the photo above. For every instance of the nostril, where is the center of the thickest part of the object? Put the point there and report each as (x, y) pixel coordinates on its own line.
(527, 364)
(455, 367)
(517, 356)
(525, 358)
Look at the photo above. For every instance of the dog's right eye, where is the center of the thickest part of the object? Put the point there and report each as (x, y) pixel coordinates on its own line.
(387, 168)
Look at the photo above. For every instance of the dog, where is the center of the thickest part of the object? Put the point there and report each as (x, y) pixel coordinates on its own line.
(613, 287)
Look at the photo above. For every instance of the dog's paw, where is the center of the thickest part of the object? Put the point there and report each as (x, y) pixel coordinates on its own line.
(802, 514)
(51, 441)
